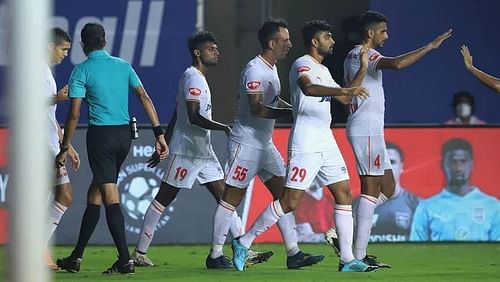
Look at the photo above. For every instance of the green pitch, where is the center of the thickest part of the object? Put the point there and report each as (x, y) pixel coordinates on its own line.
(411, 262)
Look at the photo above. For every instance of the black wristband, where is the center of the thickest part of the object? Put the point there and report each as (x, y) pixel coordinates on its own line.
(157, 130)
(63, 149)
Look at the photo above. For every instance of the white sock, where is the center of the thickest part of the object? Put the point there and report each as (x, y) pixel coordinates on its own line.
(381, 199)
(287, 227)
(56, 213)
(223, 219)
(364, 217)
(266, 219)
(345, 229)
(151, 218)
(236, 228)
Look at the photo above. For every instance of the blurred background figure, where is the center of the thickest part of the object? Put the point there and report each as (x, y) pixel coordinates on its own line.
(314, 215)
(463, 107)
(461, 211)
(392, 219)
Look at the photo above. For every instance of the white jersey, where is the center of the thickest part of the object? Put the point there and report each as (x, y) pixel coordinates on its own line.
(367, 115)
(311, 128)
(258, 77)
(189, 139)
(51, 91)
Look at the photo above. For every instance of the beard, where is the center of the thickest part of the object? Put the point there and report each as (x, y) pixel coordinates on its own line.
(458, 181)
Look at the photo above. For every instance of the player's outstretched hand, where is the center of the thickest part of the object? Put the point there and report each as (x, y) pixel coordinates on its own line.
(440, 39)
(360, 92)
(154, 160)
(467, 57)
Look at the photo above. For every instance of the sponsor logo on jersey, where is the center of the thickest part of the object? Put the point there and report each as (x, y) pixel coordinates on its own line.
(326, 99)
(479, 215)
(194, 91)
(374, 56)
(303, 69)
(253, 85)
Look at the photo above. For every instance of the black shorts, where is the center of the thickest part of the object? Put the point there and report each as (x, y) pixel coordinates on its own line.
(107, 149)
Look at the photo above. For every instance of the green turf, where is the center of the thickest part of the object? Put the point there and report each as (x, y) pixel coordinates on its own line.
(411, 262)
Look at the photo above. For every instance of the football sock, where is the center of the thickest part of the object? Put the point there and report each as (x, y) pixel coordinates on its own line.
(345, 230)
(89, 222)
(236, 228)
(287, 227)
(223, 219)
(266, 219)
(151, 218)
(364, 216)
(56, 213)
(116, 225)
(381, 199)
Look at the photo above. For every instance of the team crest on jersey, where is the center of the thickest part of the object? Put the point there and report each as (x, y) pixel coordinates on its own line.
(374, 56)
(403, 219)
(194, 91)
(253, 85)
(479, 215)
(303, 69)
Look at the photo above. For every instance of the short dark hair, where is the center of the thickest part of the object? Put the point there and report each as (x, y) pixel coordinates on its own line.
(394, 146)
(270, 27)
(461, 96)
(368, 19)
(59, 36)
(93, 36)
(455, 144)
(311, 28)
(198, 38)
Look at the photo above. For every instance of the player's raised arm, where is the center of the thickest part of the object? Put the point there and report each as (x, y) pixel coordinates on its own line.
(408, 59)
(310, 89)
(488, 80)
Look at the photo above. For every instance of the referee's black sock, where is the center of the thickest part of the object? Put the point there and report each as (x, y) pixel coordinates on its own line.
(89, 222)
(116, 225)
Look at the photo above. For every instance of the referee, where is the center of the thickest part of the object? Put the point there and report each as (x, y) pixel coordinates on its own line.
(104, 81)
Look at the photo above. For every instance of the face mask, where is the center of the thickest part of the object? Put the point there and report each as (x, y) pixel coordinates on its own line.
(463, 110)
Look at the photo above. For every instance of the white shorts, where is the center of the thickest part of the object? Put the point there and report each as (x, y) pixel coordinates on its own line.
(182, 171)
(315, 168)
(371, 154)
(245, 162)
(61, 175)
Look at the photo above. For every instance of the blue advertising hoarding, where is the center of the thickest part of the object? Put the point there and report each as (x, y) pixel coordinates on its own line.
(150, 34)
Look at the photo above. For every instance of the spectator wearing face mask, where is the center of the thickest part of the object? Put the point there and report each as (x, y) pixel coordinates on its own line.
(463, 105)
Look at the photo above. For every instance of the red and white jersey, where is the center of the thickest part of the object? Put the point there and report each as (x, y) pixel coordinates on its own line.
(367, 115)
(189, 139)
(258, 77)
(51, 91)
(311, 127)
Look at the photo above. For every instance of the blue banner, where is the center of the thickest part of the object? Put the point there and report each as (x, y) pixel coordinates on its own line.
(150, 34)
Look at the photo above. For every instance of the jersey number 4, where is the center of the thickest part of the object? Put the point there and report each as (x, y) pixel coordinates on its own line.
(240, 173)
(377, 162)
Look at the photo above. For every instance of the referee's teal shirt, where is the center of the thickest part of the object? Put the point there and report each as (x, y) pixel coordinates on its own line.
(104, 82)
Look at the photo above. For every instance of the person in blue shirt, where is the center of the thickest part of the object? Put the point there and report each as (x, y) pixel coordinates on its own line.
(104, 81)
(461, 212)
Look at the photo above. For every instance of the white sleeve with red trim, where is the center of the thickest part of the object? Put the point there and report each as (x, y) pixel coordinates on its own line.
(303, 67)
(253, 80)
(194, 87)
(373, 58)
